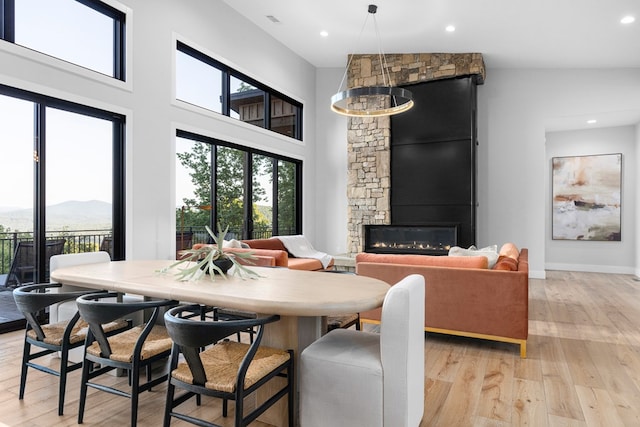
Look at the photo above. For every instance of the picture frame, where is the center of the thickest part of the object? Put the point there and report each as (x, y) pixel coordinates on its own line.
(586, 197)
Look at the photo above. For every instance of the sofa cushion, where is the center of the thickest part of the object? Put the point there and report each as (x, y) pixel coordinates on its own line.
(281, 258)
(272, 243)
(430, 260)
(309, 264)
(491, 252)
(257, 261)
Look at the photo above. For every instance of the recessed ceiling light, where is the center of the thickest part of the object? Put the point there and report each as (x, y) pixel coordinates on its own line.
(324, 33)
(592, 121)
(450, 28)
(627, 19)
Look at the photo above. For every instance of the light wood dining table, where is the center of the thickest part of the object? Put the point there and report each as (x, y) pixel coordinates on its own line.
(303, 299)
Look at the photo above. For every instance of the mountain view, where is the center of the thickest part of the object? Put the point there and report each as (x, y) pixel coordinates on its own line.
(72, 215)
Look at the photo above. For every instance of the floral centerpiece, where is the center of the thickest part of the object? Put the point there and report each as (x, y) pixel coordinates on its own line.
(212, 259)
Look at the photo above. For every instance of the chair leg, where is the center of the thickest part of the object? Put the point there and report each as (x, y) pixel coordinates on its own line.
(135, 384)
(290, 390)
(239, 410)
(23, 373)
(168, 406)
(86, 366)
(64, 363)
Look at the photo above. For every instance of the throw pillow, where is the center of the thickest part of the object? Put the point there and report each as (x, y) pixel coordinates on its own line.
(489, 252)
(233, 243)
(506, 263)
(510, 250)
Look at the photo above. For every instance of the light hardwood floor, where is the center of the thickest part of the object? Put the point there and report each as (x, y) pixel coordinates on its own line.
(582, 369)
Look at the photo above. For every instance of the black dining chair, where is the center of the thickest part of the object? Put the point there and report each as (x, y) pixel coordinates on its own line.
(215, 366)
(61, 337)
(132, 350)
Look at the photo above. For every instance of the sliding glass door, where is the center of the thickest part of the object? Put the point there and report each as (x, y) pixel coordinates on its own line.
(17, 181)
(62, 181)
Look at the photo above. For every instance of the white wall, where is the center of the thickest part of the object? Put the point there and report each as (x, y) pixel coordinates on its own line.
(515, 110)
(613, 257)
(517, 107)
(332, 166)
(153, 115)
(637, 217)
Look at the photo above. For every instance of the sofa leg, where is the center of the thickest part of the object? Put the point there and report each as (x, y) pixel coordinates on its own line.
(523, 349)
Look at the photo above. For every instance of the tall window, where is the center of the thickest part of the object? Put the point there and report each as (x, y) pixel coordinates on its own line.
(88, 33)
(212, 170)
(207, 83)
(63, 182)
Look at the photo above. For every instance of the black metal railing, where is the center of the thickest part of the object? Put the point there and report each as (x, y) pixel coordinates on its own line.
(76, 241)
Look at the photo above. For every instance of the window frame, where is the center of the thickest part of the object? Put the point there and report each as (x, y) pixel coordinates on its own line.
(225, 87)
(7, 32)
(247, 231)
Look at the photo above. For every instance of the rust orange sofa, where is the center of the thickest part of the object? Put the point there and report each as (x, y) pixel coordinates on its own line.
(274, 244)
(463, 297)
(272, 253)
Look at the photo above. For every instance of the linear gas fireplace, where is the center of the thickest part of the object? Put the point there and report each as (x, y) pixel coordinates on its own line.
(434, 239)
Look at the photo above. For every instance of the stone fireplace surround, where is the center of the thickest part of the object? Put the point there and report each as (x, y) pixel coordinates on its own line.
(368, 138)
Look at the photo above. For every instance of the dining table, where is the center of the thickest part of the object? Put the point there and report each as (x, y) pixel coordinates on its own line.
(303, 299)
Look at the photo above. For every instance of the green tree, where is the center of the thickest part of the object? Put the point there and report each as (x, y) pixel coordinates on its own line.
(230, 187)
(244, 87)
(286, 197)
(196, 211)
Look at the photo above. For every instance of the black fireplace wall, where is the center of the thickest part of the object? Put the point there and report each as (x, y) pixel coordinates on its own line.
(433, 157)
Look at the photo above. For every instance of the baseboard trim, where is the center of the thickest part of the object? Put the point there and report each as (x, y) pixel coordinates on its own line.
(590, 268)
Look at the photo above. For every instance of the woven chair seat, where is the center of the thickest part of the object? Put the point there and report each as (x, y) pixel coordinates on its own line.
(122, 344)
(54, 332)
(221, 363)
(335, 322)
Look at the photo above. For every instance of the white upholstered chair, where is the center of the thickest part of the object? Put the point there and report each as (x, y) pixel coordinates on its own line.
(354, 378)
(66, 310)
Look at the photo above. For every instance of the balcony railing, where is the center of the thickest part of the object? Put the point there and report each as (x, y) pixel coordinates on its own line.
(77, 241)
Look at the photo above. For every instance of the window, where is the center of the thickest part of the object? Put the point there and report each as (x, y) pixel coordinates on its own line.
(63, 178)
(208, 83)
(87, 33)
(208, 169)
(283, 117)
(246, 102)
(202, 87)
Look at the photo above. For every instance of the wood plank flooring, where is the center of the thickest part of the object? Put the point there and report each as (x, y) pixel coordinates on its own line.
(582, 369)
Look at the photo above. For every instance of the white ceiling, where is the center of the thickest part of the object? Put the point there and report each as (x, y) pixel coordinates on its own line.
(508, 33)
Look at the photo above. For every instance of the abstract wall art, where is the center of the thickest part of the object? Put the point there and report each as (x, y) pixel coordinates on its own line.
(586, 193)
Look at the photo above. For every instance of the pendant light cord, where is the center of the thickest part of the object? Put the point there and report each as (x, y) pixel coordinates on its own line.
(386, 78)
(346, 71)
